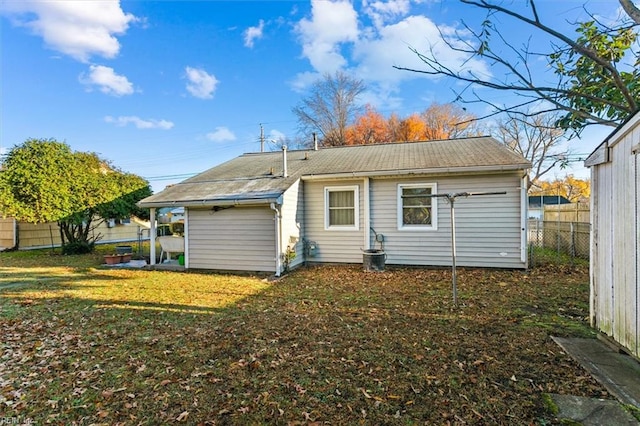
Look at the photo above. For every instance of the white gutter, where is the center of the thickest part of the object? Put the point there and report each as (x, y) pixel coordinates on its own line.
(211, 202)
(276, 219)
(186, 239)
(433, 170)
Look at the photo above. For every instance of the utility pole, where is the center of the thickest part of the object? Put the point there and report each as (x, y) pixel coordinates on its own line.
(261, 138)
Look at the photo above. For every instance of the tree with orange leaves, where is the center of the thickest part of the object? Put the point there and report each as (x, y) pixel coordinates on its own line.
(438, 122)
(447, 121)
(572, 188)
(412, 129)
(369, 128)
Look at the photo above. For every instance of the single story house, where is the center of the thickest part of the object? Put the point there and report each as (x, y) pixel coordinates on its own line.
(275, 210)
(538, 202)
(615, 235)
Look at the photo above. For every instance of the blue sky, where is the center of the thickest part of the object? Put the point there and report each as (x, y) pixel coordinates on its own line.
(165, 89)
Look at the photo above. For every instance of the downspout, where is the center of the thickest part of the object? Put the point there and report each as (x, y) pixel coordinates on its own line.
(186, 238)
(152, 235)
(367, 215)
(276, 219)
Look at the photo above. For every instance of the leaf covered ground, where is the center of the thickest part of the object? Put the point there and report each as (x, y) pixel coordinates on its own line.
(83, 344)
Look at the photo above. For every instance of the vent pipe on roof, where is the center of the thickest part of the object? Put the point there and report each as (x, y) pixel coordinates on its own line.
(315, 142)
(284, 161)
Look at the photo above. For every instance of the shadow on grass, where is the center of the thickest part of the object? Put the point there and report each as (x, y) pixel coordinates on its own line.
(325, 344)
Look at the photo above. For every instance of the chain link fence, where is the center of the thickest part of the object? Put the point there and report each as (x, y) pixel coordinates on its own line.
(551, 241)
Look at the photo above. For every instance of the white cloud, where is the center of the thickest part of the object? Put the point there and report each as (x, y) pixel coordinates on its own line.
(375, 49)
(384, 11)
(201, 84)
(221, 134)
(79, 29)
(253, 33)
(277, 135)
(304, 80)
(392, 45)
(332, 23)
(139, 122)
(107, 81)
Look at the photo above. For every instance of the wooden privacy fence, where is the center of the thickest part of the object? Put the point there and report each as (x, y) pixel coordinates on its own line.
(7, 233)
(33, 236)
(574, 212)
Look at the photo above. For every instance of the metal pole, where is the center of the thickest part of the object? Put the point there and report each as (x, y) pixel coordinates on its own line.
(452, 198)
(453, 252)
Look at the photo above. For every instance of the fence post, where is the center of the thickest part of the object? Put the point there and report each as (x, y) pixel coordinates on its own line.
(573, 241)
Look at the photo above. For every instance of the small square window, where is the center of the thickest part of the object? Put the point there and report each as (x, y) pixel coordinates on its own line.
(417, 207)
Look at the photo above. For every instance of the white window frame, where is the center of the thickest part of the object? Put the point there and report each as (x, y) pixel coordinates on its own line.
(434, 208)
(356, 207)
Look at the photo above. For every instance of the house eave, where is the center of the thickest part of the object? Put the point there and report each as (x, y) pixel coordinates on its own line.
(245, 202)
(427, 171)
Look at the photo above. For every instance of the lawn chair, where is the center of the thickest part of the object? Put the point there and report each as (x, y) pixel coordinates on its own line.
(170, 244)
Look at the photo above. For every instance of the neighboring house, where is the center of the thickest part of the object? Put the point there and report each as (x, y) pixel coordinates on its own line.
(615, 235)
(170, 215)
(269, 211)
(27, 236)
(537, 204)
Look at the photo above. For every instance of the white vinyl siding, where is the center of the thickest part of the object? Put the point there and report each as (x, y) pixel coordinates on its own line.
(488, 228)
(342, 208)
(292, 218)
(235, 239)
(415, 211)
(344, 246)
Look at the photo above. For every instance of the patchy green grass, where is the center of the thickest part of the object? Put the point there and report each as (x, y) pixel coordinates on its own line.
(84, 344)
(541, 256)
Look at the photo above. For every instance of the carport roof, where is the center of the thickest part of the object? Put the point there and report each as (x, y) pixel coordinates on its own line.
(257, 178)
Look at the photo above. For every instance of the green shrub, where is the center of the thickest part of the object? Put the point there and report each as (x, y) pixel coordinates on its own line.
(78, 247)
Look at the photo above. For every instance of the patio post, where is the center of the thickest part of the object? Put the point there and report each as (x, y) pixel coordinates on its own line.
(152, 236)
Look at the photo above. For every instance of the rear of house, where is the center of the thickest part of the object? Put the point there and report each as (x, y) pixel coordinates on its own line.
(490, 229)
(273, 211)
(615, 235)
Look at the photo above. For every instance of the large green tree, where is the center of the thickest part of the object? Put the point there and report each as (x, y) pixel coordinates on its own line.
(595, 69)
(43, 180)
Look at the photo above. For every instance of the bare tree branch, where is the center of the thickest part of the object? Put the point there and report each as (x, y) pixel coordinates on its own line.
(631, 10)
(576, 92)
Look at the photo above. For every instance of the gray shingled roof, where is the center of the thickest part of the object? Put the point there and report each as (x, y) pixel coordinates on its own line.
(257, 178)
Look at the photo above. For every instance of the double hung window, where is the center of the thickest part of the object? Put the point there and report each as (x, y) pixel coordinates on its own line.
(341, 207)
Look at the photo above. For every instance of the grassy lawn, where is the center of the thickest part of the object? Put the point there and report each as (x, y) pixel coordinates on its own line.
(83, 344)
